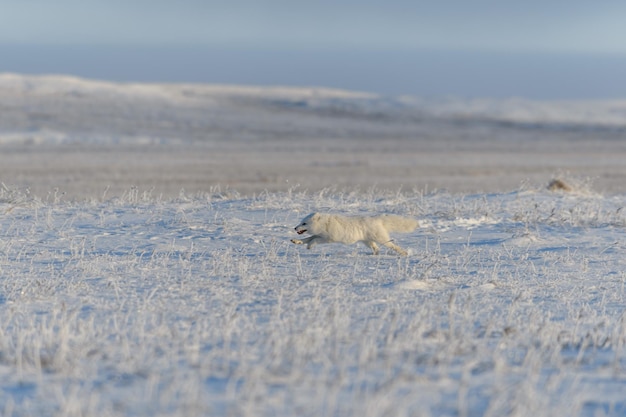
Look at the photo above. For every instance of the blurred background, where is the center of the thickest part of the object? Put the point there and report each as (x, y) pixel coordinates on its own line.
(466, 96)
(534, 49)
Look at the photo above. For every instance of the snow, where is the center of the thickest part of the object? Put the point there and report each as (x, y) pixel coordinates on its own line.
(508, 304)
(147, 268)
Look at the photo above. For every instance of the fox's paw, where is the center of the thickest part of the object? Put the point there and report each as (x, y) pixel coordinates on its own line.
(297, 241)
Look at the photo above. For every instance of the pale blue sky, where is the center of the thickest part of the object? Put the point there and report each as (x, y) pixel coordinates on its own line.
(475, 48)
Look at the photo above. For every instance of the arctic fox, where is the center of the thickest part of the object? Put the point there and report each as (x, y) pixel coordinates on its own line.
(333, 228)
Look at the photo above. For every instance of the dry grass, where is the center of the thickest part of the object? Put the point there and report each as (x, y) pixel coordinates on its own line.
(508, 304)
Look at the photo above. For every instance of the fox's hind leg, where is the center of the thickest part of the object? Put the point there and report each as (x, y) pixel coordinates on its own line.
(372, 245)
(395, 247)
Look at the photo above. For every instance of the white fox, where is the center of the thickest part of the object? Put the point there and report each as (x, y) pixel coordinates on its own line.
(333, 228)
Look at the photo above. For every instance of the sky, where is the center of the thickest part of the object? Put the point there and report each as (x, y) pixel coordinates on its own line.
(537, 49)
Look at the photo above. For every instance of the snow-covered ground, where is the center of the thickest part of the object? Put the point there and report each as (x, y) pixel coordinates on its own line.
(508, 304)
(147, 269)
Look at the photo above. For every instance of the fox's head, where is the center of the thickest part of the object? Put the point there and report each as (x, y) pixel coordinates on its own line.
(307, 224)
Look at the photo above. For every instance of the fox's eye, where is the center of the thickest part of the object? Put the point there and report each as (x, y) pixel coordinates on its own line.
(303, 224)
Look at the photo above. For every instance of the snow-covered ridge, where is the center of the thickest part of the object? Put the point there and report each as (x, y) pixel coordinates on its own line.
(318, 101)
(68, 85)
(62, 109)
(575, 113)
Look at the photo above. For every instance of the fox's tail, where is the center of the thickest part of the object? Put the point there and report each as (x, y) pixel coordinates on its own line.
(398, 223)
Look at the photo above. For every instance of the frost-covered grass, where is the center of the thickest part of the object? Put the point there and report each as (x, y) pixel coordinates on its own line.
(508, 305)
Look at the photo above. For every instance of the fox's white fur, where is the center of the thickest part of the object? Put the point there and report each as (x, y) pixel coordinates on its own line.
(372, 231)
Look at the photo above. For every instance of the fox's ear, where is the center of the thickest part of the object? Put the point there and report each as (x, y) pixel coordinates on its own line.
(315, 216)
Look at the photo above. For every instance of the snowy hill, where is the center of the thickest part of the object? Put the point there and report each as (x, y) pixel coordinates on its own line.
(53, 106)
(93, 136)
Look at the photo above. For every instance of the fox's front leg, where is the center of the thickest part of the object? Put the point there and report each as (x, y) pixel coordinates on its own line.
(309, 241)
(302, 241)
